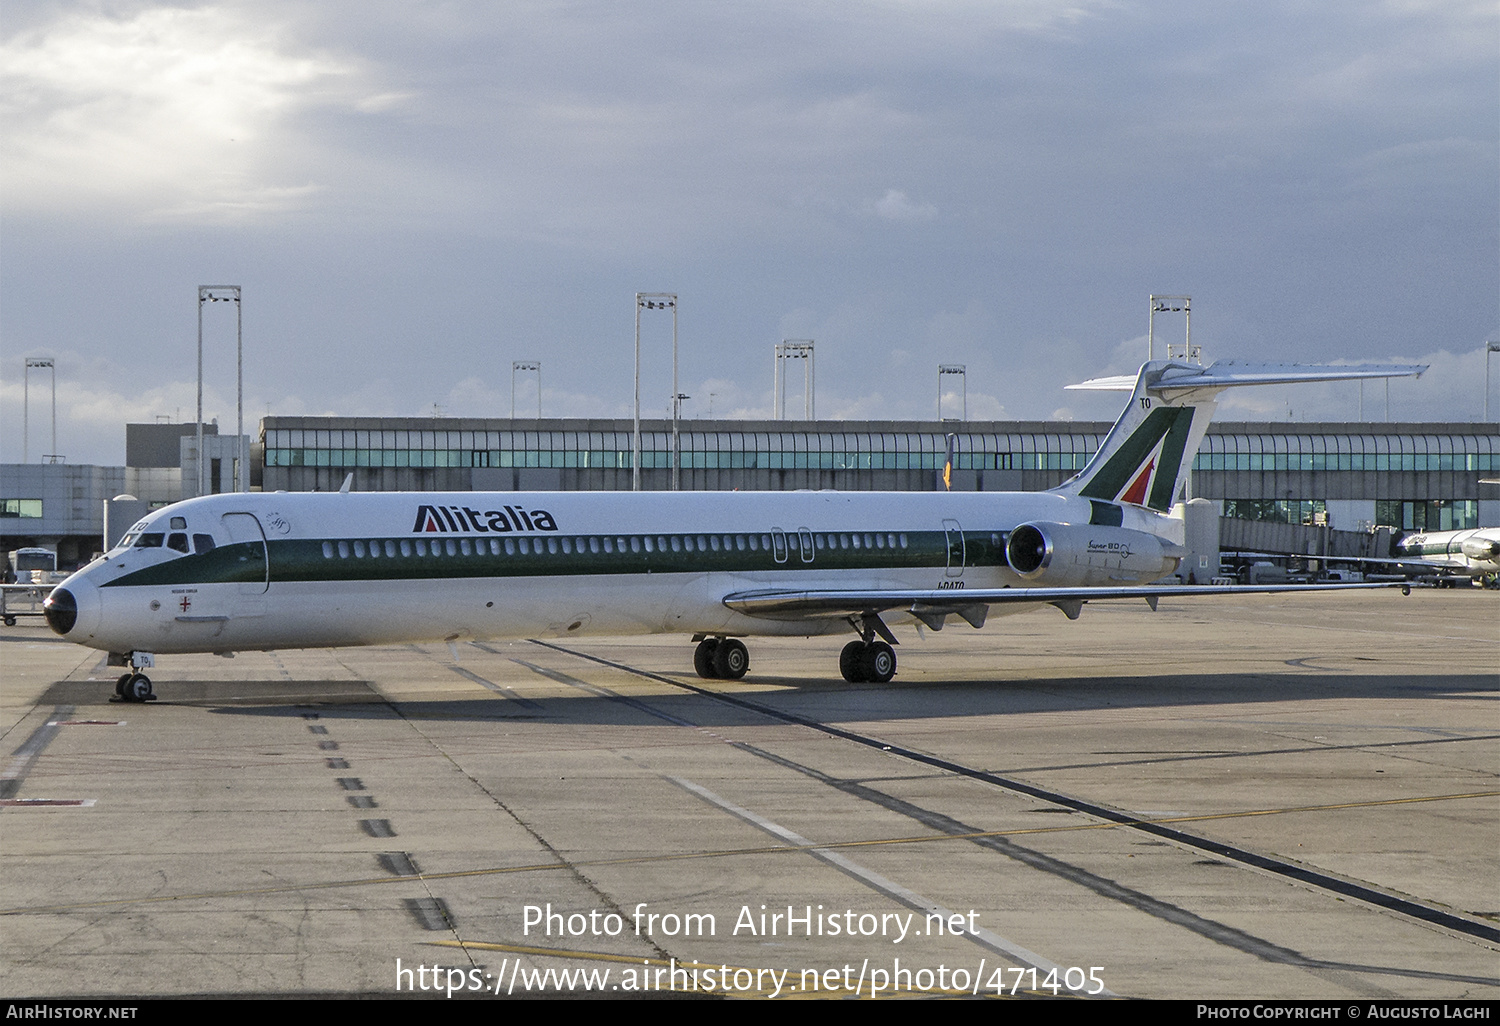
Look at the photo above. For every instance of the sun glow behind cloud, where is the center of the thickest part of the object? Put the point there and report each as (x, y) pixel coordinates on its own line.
(169, 112)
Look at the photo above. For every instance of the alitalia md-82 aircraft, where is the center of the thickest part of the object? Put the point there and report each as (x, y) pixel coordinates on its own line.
(1471, 553)
(256, 571)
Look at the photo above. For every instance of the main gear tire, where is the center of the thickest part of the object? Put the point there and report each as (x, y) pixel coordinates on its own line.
(851, 662)
(878, 663)
(731, 659)
(703, 658)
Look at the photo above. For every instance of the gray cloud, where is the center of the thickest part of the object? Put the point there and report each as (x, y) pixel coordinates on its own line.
(413, 195)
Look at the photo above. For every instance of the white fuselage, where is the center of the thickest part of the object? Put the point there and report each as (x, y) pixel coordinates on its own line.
(1474, 552)
(296, 570)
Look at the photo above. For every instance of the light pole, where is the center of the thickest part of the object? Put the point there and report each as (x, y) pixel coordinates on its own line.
(40, 363)
(677, 400)
(962, 371)
(793, 349)
(516, 367)
(225, 294)
(652, 301)
(1489, 347)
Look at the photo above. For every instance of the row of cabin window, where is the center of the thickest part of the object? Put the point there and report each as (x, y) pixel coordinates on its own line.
(374, 549)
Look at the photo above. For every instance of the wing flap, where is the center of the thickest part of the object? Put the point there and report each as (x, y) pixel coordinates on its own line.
(972, 604)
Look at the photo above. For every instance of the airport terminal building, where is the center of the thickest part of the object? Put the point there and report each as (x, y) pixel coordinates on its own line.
(1289, 481)
(1351, 476)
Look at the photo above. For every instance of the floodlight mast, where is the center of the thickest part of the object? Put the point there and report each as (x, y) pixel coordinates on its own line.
(225, 294)
(40, 363)
(793, 349)
(516, 367)
(653, 301)
(1172, 304)
(962, 371)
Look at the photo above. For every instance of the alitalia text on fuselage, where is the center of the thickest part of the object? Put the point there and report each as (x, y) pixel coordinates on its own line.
(444, 519)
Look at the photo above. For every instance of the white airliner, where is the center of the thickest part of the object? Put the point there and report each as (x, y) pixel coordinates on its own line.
(1472, 553)
(255, 571)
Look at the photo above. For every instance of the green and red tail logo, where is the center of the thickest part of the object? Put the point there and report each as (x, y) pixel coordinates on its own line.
(1145, 469)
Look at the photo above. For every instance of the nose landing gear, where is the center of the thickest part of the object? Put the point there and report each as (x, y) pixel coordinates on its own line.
(134, 687)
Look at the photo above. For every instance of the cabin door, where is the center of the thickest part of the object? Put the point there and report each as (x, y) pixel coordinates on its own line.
(955, 537)
(252, 568)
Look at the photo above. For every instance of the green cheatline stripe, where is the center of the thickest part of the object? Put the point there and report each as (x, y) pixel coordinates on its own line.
(303, 560)
(1436, 549)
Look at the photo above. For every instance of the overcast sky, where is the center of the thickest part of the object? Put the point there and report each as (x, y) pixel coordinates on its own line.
(415, 195)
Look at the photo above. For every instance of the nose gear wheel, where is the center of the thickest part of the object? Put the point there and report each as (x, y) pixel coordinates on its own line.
(134, 687)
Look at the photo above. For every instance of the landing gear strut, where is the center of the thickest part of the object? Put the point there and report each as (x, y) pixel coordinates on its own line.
(871, 662)
(721, 659)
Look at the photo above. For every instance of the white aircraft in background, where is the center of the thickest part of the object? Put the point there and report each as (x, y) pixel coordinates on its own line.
(255, 571)
(1472, 553)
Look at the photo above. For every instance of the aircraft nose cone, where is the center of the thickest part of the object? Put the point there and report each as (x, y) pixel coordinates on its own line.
(61, 610)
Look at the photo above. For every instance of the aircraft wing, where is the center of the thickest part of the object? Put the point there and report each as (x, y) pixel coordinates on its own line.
(972, 605)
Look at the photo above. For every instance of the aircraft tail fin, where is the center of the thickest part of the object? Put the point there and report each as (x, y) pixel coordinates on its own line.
(1147, 453)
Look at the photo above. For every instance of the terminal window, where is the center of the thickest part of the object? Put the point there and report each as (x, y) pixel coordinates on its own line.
(1428, 515)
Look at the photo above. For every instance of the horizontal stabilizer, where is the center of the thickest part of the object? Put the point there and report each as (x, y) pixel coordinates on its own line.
(1230, 373)
(1115, 383)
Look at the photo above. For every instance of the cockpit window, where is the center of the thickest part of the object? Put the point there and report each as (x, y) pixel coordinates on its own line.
(203, 543)
(179, 523)
(150, 541)
(178, 540)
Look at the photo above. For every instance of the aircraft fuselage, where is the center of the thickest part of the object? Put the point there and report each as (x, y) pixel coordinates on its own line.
(1475, 552)
(300, 570)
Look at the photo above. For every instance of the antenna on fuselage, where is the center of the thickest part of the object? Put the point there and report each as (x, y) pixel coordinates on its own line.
(348, 483)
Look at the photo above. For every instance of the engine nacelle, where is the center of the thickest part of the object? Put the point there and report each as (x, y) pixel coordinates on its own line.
(1072, 555)
(1481, 549)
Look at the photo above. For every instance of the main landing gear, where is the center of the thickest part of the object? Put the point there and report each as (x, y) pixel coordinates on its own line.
(862, 662)
(871, 659)
(872, 662)
(721, 659)
(134, 687)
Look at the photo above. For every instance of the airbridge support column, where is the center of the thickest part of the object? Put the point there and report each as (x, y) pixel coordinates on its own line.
(1201, 564)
